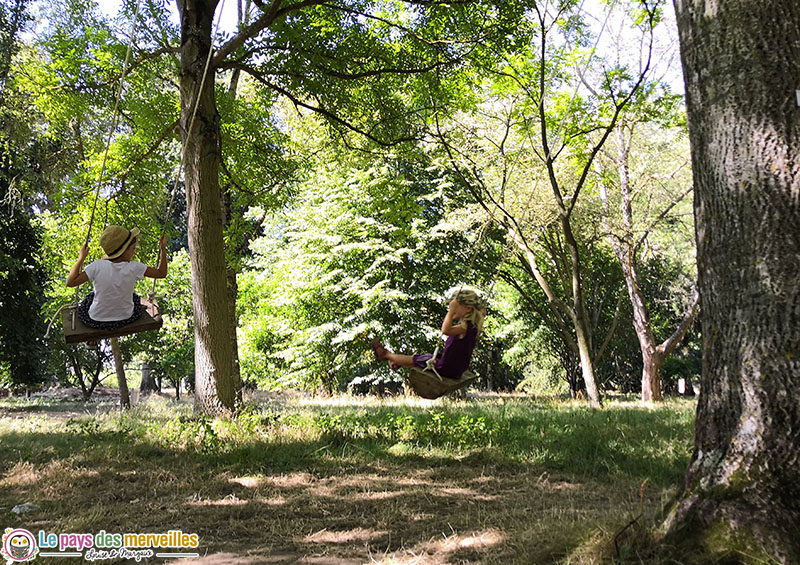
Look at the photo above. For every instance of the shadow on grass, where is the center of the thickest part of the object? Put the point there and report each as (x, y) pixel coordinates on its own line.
(456, 484)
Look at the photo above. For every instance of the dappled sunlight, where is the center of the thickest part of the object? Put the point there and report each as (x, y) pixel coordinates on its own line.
(269, 497)
(465, 492)
(58, 474)
(420, 516)
(248, 482)
(449, 548)
(21, 474)
(274, 501)
(293, 480)
(347, 536)
(229, 500)
(379, 495)
(475, 540)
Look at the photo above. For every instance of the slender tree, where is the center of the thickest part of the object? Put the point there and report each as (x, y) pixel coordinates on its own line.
(741, 67)
(630, 237)
(543, 117)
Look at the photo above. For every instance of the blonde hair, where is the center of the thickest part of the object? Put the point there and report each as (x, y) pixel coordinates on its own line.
(469, 297)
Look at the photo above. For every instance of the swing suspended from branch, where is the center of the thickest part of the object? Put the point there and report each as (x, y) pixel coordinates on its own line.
(150, 319)
(75, 331)
(427, 382)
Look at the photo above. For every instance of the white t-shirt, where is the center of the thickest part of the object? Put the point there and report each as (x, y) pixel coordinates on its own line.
(113, 288)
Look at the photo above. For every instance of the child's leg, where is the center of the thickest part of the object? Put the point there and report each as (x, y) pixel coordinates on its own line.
(401, 360)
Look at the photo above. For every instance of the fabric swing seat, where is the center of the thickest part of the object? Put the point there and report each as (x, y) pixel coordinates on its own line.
(428, 384)
(75, 331)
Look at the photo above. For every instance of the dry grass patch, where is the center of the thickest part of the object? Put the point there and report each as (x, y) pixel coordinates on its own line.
(333, 496)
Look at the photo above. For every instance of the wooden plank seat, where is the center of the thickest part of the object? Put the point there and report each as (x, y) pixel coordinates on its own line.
(75, 331)
(428, 384)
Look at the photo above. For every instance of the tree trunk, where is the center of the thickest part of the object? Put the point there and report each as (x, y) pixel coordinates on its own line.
(651, 376)
(741, 67)
(148, 383)
(581, 346)
(625, 249)
(583, 335)
(124, 394)
(652, 358)
(217, 382)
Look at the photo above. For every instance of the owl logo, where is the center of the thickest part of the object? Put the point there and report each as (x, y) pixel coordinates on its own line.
(19, 545)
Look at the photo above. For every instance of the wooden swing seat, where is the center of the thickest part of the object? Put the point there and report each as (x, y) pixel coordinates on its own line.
(75, 331)
(428, 384)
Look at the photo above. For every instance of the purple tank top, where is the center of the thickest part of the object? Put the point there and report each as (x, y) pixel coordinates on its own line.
(457, 353)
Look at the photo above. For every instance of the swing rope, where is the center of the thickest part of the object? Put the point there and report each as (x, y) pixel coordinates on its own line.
(189, 131)
(115, 123)
(114, 116)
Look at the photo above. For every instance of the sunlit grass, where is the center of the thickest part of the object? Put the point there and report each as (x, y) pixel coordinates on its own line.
(547, 477)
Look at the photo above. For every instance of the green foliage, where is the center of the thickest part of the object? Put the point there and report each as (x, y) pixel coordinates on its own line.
(22, 286)
(333, 246)
(368, 248)
(170, 351)
(199, 434)
(23, 272)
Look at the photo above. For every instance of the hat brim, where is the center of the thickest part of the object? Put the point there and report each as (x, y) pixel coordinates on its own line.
(134, 233)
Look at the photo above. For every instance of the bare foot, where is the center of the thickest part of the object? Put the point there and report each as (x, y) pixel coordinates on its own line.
(380, 350)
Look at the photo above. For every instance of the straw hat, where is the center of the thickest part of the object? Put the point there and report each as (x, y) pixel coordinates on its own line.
(116, 239)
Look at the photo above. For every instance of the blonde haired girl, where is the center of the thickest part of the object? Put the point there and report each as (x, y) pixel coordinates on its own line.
(462, 324)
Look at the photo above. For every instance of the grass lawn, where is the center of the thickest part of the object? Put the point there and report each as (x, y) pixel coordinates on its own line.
(296, 479)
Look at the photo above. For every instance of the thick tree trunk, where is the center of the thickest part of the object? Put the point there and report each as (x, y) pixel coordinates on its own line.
(741, 69)
(217, 382)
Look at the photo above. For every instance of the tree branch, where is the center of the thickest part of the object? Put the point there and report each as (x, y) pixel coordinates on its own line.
(670, 343)
(318, 109)
(660, 217)
(272, 13)
(561, 326)
(618, 107)
(612, 330)
(169, 129)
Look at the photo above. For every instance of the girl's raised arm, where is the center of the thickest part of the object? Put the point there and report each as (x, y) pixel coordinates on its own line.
(455, 311)
(161, 271)
(77, 276)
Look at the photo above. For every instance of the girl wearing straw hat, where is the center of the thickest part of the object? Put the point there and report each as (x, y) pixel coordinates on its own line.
(113, 303)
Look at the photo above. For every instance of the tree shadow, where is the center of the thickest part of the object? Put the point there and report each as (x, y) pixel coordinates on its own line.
(351, 495)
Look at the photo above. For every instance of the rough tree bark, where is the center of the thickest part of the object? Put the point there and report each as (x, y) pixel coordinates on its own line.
(217, 384)
(741, 67)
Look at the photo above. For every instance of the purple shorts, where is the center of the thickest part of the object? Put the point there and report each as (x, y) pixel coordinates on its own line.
(421, 360)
